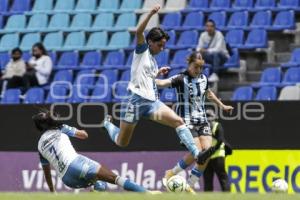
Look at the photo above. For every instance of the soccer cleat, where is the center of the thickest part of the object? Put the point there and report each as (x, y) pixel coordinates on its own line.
(189, 189)
(206, 154)
(168, 174)
(108, 118)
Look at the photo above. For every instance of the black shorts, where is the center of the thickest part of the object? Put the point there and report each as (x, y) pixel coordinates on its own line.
(201, 129)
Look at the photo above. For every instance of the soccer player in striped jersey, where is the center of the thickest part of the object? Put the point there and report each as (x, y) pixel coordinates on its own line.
(192, 88)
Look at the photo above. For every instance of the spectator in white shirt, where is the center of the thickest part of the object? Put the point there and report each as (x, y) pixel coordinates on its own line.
(212, 46)
(39, 67)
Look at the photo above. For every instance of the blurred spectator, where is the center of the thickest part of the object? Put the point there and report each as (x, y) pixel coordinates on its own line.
(14, 71)
(212, 46)
(39, 67)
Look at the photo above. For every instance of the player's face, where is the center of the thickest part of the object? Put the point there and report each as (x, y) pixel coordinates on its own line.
(157, 47)
(195, 70)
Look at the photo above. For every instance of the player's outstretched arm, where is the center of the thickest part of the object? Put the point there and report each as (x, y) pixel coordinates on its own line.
(163, 83)
(74, 132)
(141, 28)
(47, 172)
(211, 96)
(81, 134)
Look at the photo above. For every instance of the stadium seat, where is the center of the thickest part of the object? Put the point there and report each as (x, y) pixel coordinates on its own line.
(53, 56)
(4, 59)
(63, 75)
(130, 5)
(54, 41)
(74, 41)
(168, 95)
(129, 61)
(85, 78)
(174, 5)
(257, 38)
(4, 5)
(234, 60)
(91, 60)
(162, 59)
(284, 20)
(154, 21)
(86, 6)
(64, 5)
(125, 76)
(97, 40)
(109, 5)
(15, 23)
(270, 77)
(235, 38)
(58, 94)
(217, 5)
(107, 77)
(11, 96)
(179, 59)
(29, 40)
(288, 4)
(193, 20)
(244, 93)
(9, 41)
(219, 18)
(41, 6)
(266, 93)
(20, 6)
(114, 60)
(58, 22)
(187, 39)
(291, 77)
(81, 21)
(264, 5)
(261, 19)
(34, 96)
(289, 93)
(295, 59)
(238, 20)
(68, 60)
(125, 21)
(37, 22)
(196, 5)
(242, 5)
(101, 93)
(149, 4)
(172, 38)
(26, 56)
(171, 20)
(1, 21)
(118, 40)
(174, 72)
(119, 91)
(103, 21)
(79, 94)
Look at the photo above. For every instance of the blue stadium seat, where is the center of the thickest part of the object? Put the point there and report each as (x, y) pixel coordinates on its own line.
(267, 93)
(26, 56)
(129, 61)
(41, 6)
(118, 40)
(9, 41)
(125, 21)
(261, 19)
(85, 78)
(244, 93)
(257, 38)
(219, 5)
(97, 40)
(11, 96)
(59, 21)
(235, 38)
(109, 5)
(4, 4)
(219, 18)
(179, 59)
(193, 20)
(74, 41)
(114, 60)
(238, 20)
(171, 41)
(38, 22)
(15, 23)
(120, 92)
(107, 77)
(20, 6)
(58, 94)
(53, 56)
(291, 77)
(174, 72)
(64, 5)
(125, 76)
(1, 21)
(54, 41)
(264, 5)
(68, 60)
(242, 5)
(29, 40)
(86, 6)
(103, 21)
(81, 21)
(288, 4)
(171, 20)
(63, 75)
(187, 39)
(34, 96)
(284, 20)
(130, 5)
(196, 5)
(295, 59)
(234, 60)
(91, 60)
(4, 59)
(168, 95)
(101, 93)
(79, 94)
(162, 59)
(270, 77)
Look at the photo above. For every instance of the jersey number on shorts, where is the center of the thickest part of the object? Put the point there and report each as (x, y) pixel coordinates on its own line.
(61, 165)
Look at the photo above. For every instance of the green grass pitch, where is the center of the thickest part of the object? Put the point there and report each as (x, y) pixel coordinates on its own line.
(131, 196)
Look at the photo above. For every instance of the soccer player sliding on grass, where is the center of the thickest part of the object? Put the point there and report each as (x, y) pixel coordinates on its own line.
(76, 171)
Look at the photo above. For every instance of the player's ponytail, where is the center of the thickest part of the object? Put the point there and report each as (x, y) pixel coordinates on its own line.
(45, 120)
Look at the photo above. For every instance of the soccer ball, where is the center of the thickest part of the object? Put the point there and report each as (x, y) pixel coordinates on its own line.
(176, 184)
(280, 186)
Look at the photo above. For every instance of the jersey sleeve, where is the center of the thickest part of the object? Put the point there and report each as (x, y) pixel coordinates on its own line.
(68, 130)
(43, 160)
(141, 48)
(176, 80)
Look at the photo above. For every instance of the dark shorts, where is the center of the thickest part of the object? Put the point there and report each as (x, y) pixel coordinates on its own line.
(198, 130)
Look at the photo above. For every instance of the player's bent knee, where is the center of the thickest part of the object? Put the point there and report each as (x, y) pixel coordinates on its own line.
(122, 143)
(178, 122)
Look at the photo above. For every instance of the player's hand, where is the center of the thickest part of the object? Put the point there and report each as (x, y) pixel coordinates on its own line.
(163, 70)
(155, 9)
(227, 108)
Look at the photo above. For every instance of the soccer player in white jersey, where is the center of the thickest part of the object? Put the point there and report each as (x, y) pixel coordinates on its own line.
(76, 171)
(192, 88)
